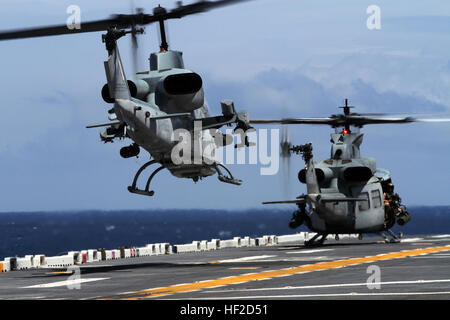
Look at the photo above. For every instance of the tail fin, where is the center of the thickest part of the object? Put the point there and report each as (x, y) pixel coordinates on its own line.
(312, 185)
(117, 82)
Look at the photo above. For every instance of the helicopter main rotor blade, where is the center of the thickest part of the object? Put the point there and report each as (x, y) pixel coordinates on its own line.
(433, 120)
(119, 21)
(197, 7)
(337, 121)
(293, 121)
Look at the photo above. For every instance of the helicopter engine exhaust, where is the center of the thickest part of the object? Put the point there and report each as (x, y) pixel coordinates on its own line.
(105, 94)
(182, 83)
(181, 91)
(322, 175)
(357, 174)
(139, 89)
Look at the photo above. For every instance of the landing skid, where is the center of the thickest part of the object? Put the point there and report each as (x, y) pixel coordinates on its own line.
(393, 239)
(146, 192)
(227, 179)
(313, 243)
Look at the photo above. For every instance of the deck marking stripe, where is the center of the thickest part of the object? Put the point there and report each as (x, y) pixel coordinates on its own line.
(354, 294)
(244, 259)
(338, 285)
(64, 283)
(309, 251)
(180, 288)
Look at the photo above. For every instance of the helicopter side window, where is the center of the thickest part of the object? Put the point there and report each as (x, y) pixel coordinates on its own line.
(364, 205)
(376, 199)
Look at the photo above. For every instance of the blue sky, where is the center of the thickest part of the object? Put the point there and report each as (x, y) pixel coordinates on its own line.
(274, 58)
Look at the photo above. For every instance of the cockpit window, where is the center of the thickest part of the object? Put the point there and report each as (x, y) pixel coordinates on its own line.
(364, 205)
(376, 199)
(338, 154)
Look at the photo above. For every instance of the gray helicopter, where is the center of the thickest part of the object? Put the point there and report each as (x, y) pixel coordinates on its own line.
(346, 194)
(148, 107)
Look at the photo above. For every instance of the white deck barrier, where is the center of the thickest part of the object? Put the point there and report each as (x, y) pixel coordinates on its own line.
(152, 248)
(269, 240)
(144, 251)
(191, 247)
(231, 243)
(115, 254)
(38, 260)
(214, 244)
(59, 261)
(94, 255)
(156, 248)
(298, 237)
(348, 236)
(108, 254)
(24, 263)
(161, 248)
(204, 245)
(91, 255)
(166, 248)
(246, 242)
(5, 266)
(76, 256)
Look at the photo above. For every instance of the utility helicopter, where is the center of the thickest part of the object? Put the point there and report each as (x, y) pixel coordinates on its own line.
(149, 107)
(346, 194)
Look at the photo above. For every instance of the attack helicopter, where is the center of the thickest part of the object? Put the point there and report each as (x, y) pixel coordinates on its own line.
(149, 107)
(345, 194)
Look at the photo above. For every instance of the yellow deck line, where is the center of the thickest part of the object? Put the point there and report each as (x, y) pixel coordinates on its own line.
(180, 288)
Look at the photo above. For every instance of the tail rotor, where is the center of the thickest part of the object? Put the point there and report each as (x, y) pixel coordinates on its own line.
(135, 55)
(285, 154)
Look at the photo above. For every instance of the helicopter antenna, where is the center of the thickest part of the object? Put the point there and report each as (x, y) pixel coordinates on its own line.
(346, 113)
(346, 107)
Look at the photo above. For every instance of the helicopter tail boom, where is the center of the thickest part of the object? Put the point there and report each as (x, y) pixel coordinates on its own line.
(115, 75)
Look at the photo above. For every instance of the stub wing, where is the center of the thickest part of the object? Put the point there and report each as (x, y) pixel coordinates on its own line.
(300, 200)
(106, 124)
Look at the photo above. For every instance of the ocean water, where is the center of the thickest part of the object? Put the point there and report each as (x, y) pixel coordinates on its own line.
(53, 233)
